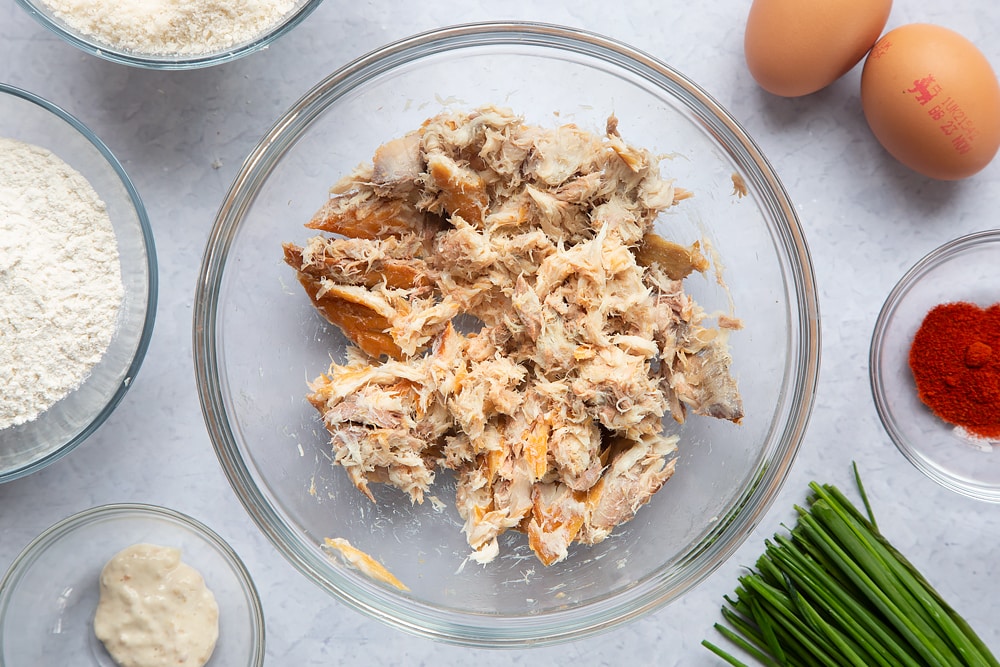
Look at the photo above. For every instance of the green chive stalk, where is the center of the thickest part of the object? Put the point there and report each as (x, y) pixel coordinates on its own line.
(835, 592)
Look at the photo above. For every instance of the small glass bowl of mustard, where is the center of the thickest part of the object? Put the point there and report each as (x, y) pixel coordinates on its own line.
(50, 593)
(966, 272)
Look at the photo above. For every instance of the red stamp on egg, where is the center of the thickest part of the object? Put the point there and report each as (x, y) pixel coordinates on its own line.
(925, 89)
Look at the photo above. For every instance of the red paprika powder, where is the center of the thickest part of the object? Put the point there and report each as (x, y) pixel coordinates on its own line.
(955, 360)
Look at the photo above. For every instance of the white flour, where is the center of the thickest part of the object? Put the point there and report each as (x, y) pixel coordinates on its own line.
(172, 27)
(60, 280)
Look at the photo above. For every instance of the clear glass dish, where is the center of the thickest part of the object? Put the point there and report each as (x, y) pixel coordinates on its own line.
(44, 14)
(257, 339)
(965, 269)
(28, 447)
(49, 595)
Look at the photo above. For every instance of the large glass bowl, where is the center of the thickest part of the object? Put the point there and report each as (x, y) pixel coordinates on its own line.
(28, 447)
(257, 340)
(92, 44)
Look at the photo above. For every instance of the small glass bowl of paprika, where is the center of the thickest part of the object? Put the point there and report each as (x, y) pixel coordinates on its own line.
(935, 365)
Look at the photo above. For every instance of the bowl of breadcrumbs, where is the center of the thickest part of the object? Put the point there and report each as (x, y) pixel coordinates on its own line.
(170, 34)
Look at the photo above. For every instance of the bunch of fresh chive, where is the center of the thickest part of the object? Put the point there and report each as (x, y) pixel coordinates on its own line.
(835, 592)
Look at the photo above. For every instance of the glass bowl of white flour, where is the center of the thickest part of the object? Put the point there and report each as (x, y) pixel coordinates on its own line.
(77, 283)
(169, 34)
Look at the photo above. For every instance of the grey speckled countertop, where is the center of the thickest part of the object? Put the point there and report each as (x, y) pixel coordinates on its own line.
(183, 135)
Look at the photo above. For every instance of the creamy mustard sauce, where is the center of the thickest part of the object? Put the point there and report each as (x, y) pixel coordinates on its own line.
(155, 610)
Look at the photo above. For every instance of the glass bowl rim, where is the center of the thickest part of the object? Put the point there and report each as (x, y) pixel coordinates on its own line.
(142, 344)
(51, 534)
(551, 627)
(944, 252)
(167, 62)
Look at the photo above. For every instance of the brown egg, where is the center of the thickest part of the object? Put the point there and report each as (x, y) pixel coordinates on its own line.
(796, 47)
(932, 100)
